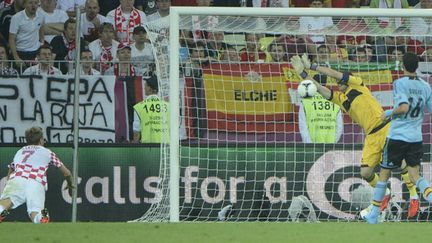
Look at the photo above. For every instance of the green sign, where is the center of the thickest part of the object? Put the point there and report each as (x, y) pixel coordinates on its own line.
(120, 183)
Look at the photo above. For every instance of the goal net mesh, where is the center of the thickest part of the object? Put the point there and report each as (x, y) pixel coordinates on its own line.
(246, 153)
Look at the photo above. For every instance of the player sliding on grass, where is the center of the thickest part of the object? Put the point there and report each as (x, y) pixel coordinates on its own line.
(355, 98)
(27, 180)
(405, 138)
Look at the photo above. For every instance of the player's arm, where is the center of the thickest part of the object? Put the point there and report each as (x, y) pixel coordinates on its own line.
(324, 91)
(401, 104)
(68, 177)
(342, 78)
(10, 170)
(136, 128)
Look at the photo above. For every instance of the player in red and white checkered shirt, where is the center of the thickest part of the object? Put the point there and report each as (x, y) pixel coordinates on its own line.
(27, 180)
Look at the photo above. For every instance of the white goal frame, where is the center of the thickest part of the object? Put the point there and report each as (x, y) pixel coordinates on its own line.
(174, 75)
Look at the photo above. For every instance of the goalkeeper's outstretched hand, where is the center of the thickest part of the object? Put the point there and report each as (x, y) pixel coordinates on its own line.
(306, 61)
(297, 64)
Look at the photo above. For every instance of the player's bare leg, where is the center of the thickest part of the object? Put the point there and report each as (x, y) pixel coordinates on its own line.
(5, 205)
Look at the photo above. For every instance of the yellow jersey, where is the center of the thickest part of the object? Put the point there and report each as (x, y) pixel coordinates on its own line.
(360, 104)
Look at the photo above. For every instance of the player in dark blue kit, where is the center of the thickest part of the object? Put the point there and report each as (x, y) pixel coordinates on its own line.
(404, 140)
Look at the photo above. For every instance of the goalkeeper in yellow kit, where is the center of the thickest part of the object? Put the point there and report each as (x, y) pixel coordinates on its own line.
(356, 99)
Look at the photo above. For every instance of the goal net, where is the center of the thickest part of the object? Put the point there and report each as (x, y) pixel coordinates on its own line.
(249, 149)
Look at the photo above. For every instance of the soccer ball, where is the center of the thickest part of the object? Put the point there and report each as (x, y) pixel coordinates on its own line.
(306, 89)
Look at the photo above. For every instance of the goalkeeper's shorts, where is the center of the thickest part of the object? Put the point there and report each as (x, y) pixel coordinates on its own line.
(374, 146)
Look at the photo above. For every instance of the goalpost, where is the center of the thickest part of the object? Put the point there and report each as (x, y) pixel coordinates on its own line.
(241, 155)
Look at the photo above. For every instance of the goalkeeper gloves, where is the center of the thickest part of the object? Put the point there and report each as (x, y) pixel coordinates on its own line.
(307, 64)
(297, 64)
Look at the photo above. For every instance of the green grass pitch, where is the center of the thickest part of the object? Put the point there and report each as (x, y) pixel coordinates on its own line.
(215, 232)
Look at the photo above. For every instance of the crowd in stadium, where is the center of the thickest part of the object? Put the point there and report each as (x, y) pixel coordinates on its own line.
(33, 32)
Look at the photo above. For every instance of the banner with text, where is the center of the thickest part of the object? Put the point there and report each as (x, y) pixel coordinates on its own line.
(48, 102)
(121, 183)
(246, 97)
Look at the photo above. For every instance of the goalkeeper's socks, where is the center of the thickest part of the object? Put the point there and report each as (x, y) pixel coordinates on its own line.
(379, 194)
(373, 180)
(425, 188)
(410, 185)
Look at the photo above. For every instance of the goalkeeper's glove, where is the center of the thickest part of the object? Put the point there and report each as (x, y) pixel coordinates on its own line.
(297, 64)
(307, 64)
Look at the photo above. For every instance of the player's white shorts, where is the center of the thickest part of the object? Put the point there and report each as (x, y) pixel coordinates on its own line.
(20, 190)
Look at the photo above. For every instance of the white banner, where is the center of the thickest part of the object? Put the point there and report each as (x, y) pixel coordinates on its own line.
(48, 102)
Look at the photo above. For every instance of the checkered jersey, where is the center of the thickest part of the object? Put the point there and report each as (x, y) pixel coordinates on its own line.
(32, 162)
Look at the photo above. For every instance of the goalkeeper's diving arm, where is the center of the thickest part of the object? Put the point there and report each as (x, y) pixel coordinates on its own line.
(330, 72)
(342, 78)
(324, 91)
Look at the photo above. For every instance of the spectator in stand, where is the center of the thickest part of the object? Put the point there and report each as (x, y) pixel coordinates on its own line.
(159, 21)
(142, 52)
(326, 3)
(389, 24)
(353, 25)
(386, 25)
(211, 22)
(420, 27)
(64, 47)
(322, 57)
(427, 55)
(147, 6)
(106, 6)
(91, 20)
(203, 3)
(26, 33)
(54, 19)
(44, 58)
(198, 56)
(412, 45)
(216, 45)
(276, 53)
(124, 19)
(359, 55)
(5, 19)
(123, 67)
(104, 49)
(231, 55)
(163, 7)
(6, 3)
(370, 52)
(395, 54)
(69, 6)
(87, 63)
(315, 24)
(267, 3)
(252, 52)
(5, 64)
(337, 54)
(184, 2)
(294, 45)
(226, 3)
